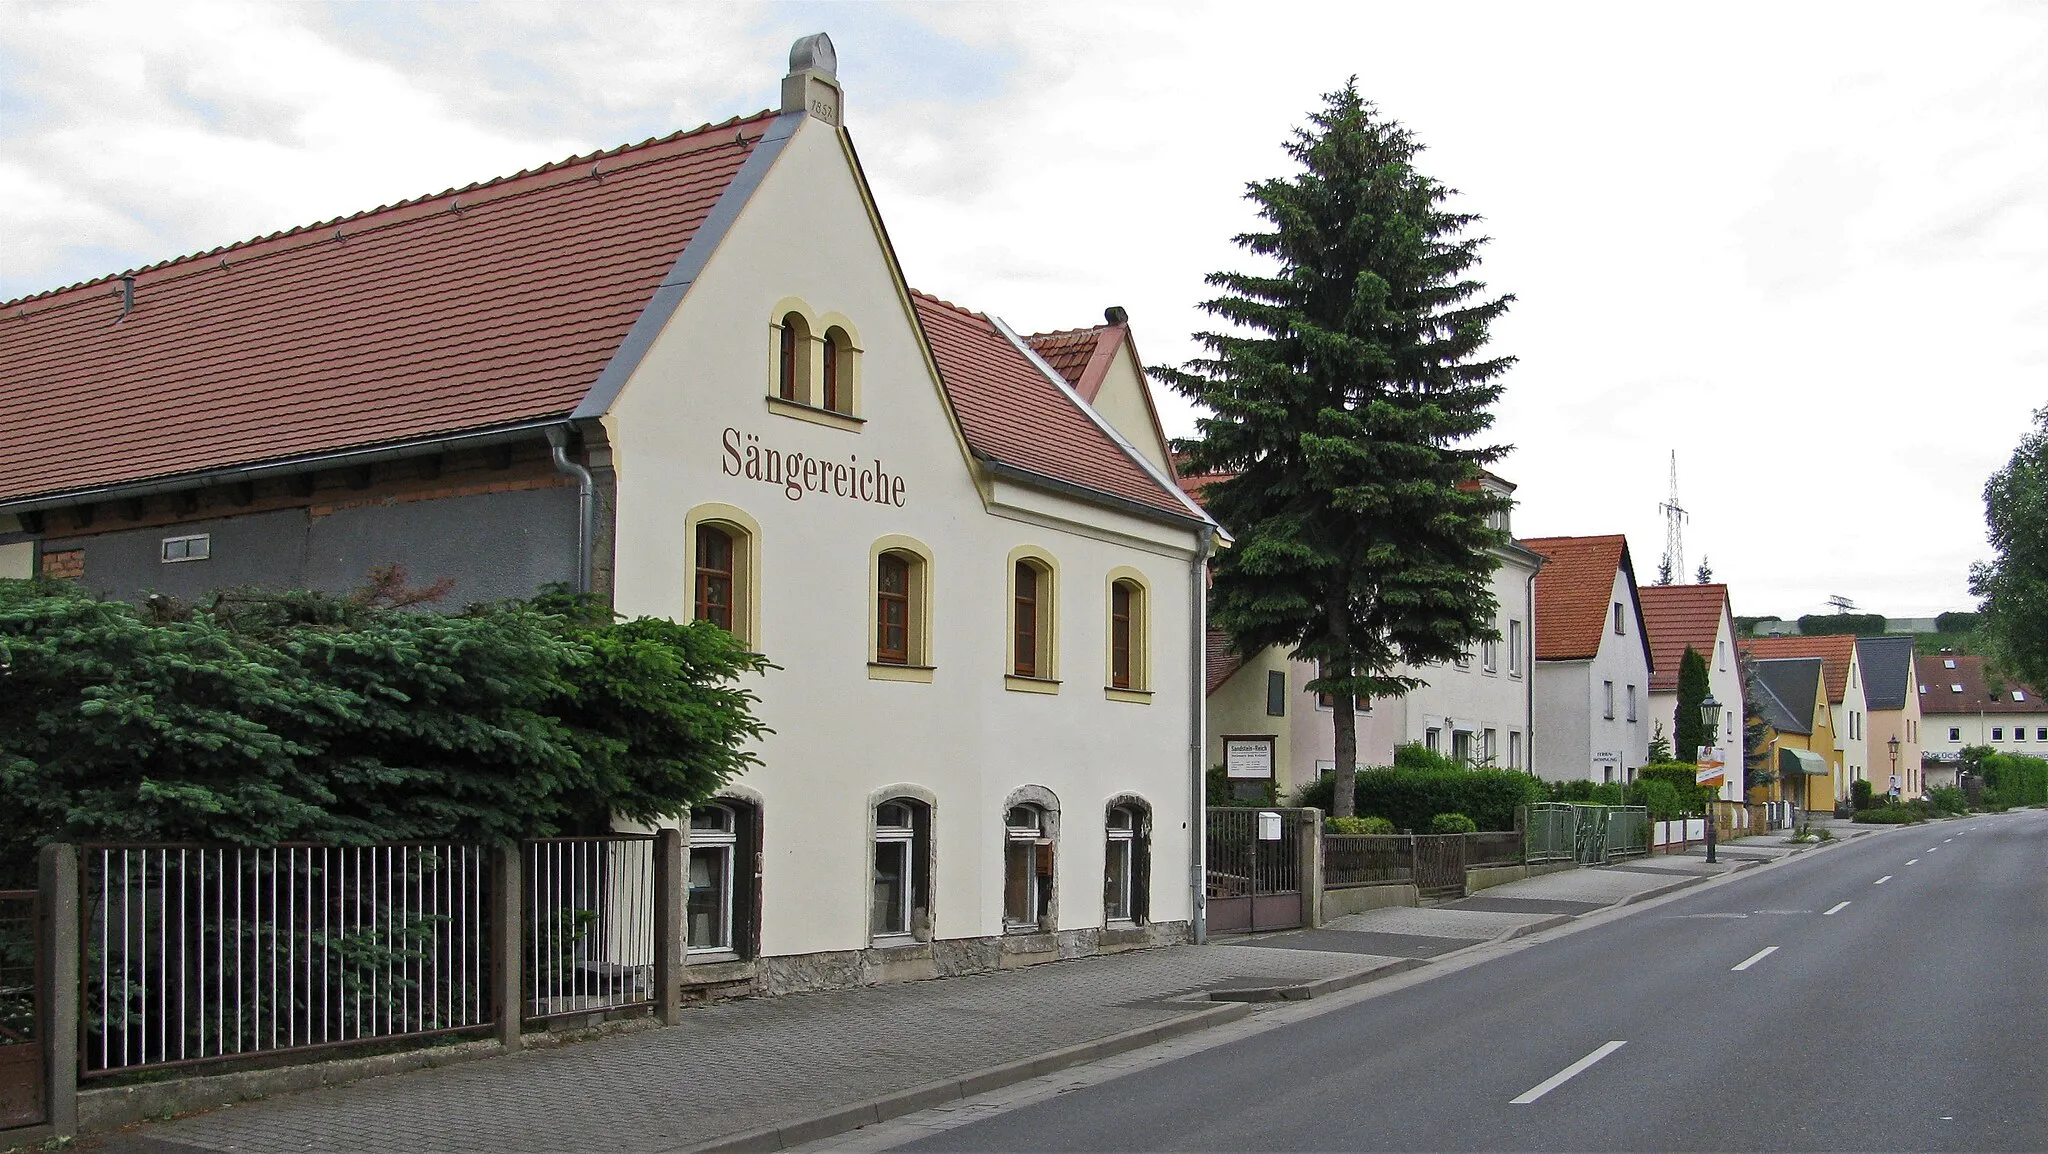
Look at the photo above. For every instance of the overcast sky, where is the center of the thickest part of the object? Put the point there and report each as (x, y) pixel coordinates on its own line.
(1802, 245)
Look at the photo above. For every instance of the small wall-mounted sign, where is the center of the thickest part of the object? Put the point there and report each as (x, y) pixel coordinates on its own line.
(1248, 758)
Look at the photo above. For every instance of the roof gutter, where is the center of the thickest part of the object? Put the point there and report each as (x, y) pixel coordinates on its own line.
(1034, 480)
(283, 466)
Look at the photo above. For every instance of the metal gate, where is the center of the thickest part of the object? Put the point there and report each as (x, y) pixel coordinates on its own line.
(1254, 874)
(1440, 866)
(22, 1085)
(1591, 841)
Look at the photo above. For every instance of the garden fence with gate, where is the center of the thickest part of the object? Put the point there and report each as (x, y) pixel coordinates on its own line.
(1434, 864)
(1259, 868)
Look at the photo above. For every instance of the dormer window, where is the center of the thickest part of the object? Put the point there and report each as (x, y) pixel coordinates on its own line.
(1948, 663)
(1955, 689)
(814, 366)
(2019, 695)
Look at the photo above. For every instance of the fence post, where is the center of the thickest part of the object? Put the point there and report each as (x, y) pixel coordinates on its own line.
(57, 877)
(1311, 867)
(506, 943)
(669, 855)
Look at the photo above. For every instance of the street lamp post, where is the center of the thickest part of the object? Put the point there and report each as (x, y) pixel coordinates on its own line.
(1710, 714)
(1897, 787)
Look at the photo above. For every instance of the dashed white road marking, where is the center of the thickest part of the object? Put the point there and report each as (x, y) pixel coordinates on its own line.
(1915, 861)
(1837, 908)
(1947, 840)
(1882, 880)
(1565, 1075)
(1756, 957)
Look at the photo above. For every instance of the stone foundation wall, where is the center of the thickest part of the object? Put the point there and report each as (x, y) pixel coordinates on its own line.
(945, 958)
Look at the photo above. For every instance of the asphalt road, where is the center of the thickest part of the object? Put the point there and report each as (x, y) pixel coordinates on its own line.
(1903, 1014)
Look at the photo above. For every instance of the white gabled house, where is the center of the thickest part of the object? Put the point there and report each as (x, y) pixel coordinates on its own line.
(690, 375)
(1593, 662)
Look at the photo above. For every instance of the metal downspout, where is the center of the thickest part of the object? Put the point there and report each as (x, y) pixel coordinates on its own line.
(1529, 675)
(586, 507)
(1198, 692)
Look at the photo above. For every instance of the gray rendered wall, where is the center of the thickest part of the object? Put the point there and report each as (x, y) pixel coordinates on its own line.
(494, 545)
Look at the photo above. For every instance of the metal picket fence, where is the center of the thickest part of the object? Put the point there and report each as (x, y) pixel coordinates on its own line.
(200, 953)
(589, 924)
(1550, 833)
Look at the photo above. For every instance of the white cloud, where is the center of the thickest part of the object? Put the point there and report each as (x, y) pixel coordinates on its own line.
(1800, 244)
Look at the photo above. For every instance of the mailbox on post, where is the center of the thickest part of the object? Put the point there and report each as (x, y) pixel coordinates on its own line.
(1269, 825)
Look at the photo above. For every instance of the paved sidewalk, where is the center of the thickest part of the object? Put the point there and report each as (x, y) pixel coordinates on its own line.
(745, 1065)
(741, 1065)
(1506, 911)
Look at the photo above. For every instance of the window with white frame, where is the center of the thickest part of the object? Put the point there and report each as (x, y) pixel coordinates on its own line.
(1126, 868)
(1618, 630)
(1461, 746)
(1607, 687)
(902, 871)
(1027, 868)
(1998, 733)
(1433, 739)
(1631, 703)
(1489, 655)
(1514, 648)
(1514, 750)
(714, 845)
(1486, 745)
(1955, 733)
(197, 547)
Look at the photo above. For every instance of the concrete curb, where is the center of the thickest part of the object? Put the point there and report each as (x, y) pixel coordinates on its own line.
(852, 1117)
(1315, 989)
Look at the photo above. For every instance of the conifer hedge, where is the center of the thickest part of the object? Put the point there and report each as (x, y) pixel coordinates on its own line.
(257, 717)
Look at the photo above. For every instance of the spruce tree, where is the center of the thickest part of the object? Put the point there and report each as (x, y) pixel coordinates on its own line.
(1344, 404)
(1689, 733)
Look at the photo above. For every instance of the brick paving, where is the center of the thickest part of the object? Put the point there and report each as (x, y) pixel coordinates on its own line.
(743, 1064)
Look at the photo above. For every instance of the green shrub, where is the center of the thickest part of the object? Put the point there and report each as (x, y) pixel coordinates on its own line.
(1888, 815)
(1947, 799)
(1659, 798)
(1452, 823)
(1681, 776)
(1355, 825)
(1410, 795)
(1859, 795)
(1222, 791)
(2012, 779)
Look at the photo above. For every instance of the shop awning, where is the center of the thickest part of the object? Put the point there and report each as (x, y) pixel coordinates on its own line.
(1792, 762)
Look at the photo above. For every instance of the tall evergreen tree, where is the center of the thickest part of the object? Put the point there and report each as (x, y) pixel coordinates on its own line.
(1689, 733)
(2015, 585)
(1344, 405)
(1704, 575)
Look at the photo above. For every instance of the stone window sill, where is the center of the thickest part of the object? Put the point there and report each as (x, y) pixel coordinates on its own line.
(1016, 684)
(1134, 696)
(886, 671)
(815, 415)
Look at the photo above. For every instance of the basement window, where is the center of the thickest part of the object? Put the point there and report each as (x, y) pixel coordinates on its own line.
(194, 548)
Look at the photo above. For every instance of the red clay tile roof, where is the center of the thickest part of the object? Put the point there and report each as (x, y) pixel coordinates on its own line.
(1940, 697)
(480, 307)
(1080, 355)
(1194, 485)
(1572, 593)
(1221, 662)
(1833, 651)
(1676, 616)
(1013, 414)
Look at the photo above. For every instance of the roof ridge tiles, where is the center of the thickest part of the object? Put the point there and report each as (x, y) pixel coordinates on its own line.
(77, 291)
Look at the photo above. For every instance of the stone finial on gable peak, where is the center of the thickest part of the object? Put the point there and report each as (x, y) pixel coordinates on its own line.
(812, 85)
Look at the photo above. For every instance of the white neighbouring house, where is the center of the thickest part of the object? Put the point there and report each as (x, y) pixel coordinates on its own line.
(1701, 618)
(1960, 706)
(1593, 662)
(1476, 709)
(690, 375)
